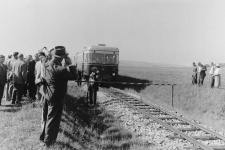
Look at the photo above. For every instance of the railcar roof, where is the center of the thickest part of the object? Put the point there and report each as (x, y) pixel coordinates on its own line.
(101, 48)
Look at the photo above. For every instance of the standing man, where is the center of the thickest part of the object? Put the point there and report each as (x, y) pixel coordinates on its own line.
(7, 97)
(194, 74)
(39, 63)
(211, 73)
(3, 76)
(199, 71)
(55, 88)
(202, 74)
(93, 87)
(10, 74)
(19, 70)
(217, 76)
(31, 78)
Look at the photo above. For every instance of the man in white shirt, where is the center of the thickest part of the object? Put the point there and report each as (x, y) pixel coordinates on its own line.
(211, 72)
(217, 77)
(38, 73)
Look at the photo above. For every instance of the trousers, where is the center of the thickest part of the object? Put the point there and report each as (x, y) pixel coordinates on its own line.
(2, 86)
(212, 81)
(51, 116)
(17, 92)
(92, 95)
(31, 88)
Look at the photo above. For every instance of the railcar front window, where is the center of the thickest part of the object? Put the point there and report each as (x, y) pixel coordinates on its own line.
(88, 58)
(97, 58)
(110, 59)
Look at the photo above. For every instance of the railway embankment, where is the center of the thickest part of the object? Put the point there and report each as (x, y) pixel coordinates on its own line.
(202, 104)
(147, 130)
(81, 128)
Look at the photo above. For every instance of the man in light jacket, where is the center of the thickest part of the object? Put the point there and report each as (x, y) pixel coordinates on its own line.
(19, 79)
(211, 73)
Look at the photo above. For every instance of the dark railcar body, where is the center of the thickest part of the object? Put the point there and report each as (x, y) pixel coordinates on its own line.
(104, 58)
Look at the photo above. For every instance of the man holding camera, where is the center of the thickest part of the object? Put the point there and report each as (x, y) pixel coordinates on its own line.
(54, 89)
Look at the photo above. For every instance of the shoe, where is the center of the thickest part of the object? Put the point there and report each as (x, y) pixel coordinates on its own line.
(49, 144)
(42, 138)
(12, 102)
(18, 103)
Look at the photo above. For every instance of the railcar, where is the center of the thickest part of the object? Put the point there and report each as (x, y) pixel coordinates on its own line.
(102, 57)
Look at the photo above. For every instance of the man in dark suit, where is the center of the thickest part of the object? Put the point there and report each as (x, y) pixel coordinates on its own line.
(31, 87)
(3, 76)
(202, 74)
(93, 86)
(19, 79)
(54, 89)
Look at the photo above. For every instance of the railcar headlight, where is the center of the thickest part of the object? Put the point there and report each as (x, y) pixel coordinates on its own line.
(97, 71)
(113, 74)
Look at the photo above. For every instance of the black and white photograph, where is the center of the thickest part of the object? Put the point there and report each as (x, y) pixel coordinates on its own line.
(112, 75)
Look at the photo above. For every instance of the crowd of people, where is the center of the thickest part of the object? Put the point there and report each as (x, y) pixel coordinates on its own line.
(19, 74)
(199, 73)
(41, 78)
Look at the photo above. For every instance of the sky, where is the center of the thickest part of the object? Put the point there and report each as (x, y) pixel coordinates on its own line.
(158, 31)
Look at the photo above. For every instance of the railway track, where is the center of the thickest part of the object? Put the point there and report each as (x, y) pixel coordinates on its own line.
(182, 128)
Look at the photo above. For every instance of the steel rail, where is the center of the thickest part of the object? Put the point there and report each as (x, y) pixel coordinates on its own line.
(192, 140)
(180, 118)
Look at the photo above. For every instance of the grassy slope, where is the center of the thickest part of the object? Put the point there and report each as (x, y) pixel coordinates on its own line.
(81, 127)
(201, 103)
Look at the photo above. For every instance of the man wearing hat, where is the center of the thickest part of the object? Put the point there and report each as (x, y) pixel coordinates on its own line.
(3, 75)
(54, 90)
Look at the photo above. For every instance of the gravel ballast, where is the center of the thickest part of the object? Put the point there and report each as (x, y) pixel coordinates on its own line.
(146, 129)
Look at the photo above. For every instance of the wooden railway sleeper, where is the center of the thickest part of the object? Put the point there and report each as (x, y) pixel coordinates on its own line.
(173, 123)
(213, 147)
(188, 129)
(203, 138)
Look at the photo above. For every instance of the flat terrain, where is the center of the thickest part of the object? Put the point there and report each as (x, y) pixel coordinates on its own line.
(203, 104)
(91, 128)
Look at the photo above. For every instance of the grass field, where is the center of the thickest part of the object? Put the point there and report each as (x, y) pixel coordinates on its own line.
(85, 128)
(81, 128)
(200, 103)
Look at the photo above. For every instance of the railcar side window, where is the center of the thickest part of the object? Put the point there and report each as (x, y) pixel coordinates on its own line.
(97, 58)
(110, 59)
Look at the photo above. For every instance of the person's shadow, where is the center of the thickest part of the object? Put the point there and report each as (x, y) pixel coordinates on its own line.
(89, 127)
